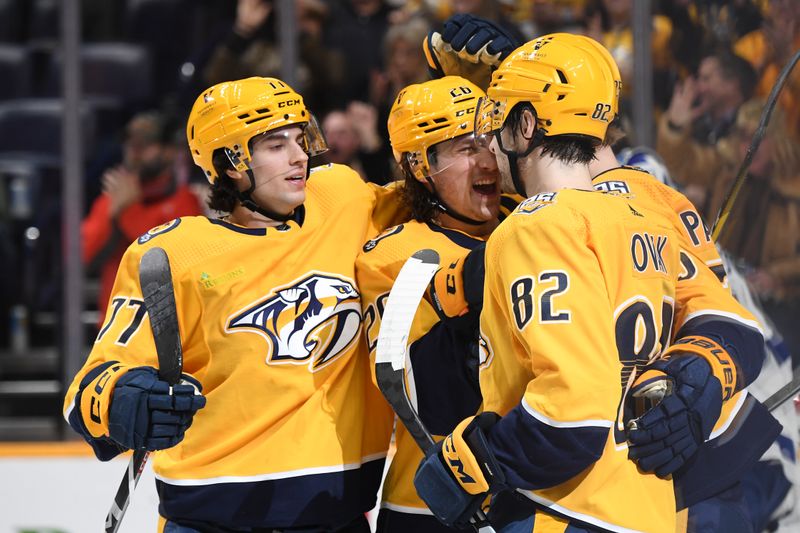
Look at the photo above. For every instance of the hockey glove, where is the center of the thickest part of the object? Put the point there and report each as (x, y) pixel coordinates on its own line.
(686, 399)
(456, 291)
(146, 412)
(468, 46)
(459, 472)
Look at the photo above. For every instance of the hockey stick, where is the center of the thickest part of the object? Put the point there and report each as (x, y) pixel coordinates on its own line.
(791, 389)
(772, 99)
(785, 393)
(155, 278)
(390, 358)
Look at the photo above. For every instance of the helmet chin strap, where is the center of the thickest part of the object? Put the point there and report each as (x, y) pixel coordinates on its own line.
(440, 204)
(513, 158)
(246, 199)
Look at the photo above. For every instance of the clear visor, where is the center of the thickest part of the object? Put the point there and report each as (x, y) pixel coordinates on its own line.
(307, 137)
(446, 155)
(489, 117)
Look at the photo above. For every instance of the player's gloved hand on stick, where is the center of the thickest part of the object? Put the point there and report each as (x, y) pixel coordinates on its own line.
(145, 412)
(468, 46)
(688, 402)
(459, 472)
(457, 289)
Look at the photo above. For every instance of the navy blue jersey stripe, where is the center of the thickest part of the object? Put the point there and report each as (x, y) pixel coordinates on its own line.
(535, 455)
(461, 239)
(322, 501)
(238, 229)
(721, 462)
(744, 344)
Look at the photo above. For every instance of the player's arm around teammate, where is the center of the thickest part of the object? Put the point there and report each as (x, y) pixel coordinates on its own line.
(270, 321)
(563, 271)
(707, 319)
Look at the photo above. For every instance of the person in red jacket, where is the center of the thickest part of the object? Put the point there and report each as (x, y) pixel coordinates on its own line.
(138, 194)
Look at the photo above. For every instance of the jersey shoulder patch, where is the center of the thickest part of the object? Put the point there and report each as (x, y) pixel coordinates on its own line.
(536, 203)
(158, 230)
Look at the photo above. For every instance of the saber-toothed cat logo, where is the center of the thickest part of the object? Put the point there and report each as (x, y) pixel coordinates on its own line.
(311, 321)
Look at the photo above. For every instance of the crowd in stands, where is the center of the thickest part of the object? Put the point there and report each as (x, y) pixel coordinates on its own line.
(714, 63)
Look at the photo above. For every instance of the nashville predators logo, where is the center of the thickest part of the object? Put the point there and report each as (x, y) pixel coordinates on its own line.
(158, 230)
(311, 321)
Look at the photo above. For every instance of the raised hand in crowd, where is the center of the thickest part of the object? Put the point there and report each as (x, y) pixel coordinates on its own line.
(364, 118)
(684, 108)
(123, 188)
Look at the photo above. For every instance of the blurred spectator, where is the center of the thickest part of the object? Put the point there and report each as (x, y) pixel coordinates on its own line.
(355, 29)
(405, 62)
(251, 49)
(689, 36)
(702, 111)
(764, 225)
(139, 194)
(353, 140)
(610, 22)
(493, 10)
(405, 65)
(555, 16)
(769, 48)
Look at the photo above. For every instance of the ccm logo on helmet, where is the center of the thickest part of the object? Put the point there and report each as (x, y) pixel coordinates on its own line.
(293, 101)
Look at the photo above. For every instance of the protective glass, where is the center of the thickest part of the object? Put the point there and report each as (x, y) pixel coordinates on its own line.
(448, 154)
(312, 142)
(489, 118)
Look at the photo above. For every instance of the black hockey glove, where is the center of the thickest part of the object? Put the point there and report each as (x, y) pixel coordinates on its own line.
(688, 402)
(459, 472)
(468, 46)
(145, 412)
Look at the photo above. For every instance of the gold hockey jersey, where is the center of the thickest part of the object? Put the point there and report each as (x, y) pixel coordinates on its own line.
(439, 356)
(702, 289)
(704, 308)
(579, 288)
(294, 432)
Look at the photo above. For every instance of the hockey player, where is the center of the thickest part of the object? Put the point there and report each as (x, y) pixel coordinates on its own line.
(696, 407)
(270, 319)
(571, 286)
(707, 474)
(744, 429)
(452, 187)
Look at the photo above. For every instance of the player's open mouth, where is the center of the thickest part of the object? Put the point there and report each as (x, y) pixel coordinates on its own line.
(486, 187)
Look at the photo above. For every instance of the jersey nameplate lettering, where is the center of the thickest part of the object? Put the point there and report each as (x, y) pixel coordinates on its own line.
(647, 252)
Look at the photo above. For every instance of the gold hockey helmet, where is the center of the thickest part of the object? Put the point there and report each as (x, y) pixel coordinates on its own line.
(426, 114)
(569, 83)
(229, 114)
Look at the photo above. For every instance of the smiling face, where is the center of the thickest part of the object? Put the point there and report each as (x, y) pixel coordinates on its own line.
(279, 166)
(467, 179)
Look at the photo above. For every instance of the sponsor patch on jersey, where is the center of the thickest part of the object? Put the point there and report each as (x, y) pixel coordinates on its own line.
(535, 203)
(372, 243)
(311, 321)
(207, 281)
(158, 230)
